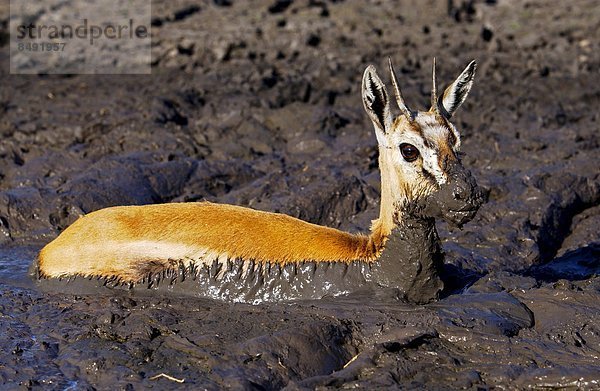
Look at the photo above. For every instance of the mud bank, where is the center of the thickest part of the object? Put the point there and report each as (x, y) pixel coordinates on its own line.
(266, 112)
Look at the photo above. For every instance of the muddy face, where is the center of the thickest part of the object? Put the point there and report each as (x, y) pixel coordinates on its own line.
(456, 201)
(421, 174)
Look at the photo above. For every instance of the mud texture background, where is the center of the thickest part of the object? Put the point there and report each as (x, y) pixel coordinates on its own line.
(258, 104)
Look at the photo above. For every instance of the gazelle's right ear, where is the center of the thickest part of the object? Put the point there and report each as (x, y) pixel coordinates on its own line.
(457, 92)
(376, 101)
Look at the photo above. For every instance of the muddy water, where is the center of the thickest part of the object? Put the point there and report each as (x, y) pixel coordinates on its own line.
(265, 112)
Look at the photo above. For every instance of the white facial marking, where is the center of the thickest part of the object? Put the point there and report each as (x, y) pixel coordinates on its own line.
(435, 132)
(432, 131)
(456, 145)
(429, 156)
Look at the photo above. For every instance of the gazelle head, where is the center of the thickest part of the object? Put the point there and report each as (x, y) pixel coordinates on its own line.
(421, 171)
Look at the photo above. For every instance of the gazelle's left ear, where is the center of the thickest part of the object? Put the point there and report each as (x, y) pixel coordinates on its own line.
(457, 92)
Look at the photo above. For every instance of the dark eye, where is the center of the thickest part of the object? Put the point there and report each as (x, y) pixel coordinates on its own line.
(409, 152)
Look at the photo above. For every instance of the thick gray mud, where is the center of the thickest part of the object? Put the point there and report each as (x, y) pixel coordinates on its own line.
(260, 106)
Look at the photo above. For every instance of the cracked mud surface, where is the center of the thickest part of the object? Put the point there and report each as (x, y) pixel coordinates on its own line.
(260, 106)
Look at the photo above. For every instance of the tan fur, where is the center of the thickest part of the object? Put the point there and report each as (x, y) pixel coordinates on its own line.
(103, 242)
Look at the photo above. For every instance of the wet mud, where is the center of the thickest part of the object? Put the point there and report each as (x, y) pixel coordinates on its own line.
(260, 106)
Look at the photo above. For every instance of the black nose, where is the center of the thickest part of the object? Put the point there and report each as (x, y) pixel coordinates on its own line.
(461, 191)
(463, 185)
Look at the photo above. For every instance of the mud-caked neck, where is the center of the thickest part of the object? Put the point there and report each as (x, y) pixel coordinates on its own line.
(412, 260)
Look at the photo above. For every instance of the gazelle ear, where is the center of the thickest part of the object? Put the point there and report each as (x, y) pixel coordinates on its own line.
(376, 101)
(457, 92)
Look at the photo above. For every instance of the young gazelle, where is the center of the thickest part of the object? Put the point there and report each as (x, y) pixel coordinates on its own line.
(241, 254)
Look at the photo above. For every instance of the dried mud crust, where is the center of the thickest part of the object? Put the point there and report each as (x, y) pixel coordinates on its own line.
(260, 106)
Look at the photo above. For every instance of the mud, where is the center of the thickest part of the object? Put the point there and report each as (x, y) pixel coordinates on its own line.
(260, 106)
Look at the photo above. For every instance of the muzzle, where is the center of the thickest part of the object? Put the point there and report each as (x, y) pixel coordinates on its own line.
(458, 200)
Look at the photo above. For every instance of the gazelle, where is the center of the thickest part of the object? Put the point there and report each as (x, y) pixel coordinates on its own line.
(240, 254)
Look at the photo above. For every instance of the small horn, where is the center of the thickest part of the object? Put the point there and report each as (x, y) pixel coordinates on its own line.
(399, 100)
(434, 96)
